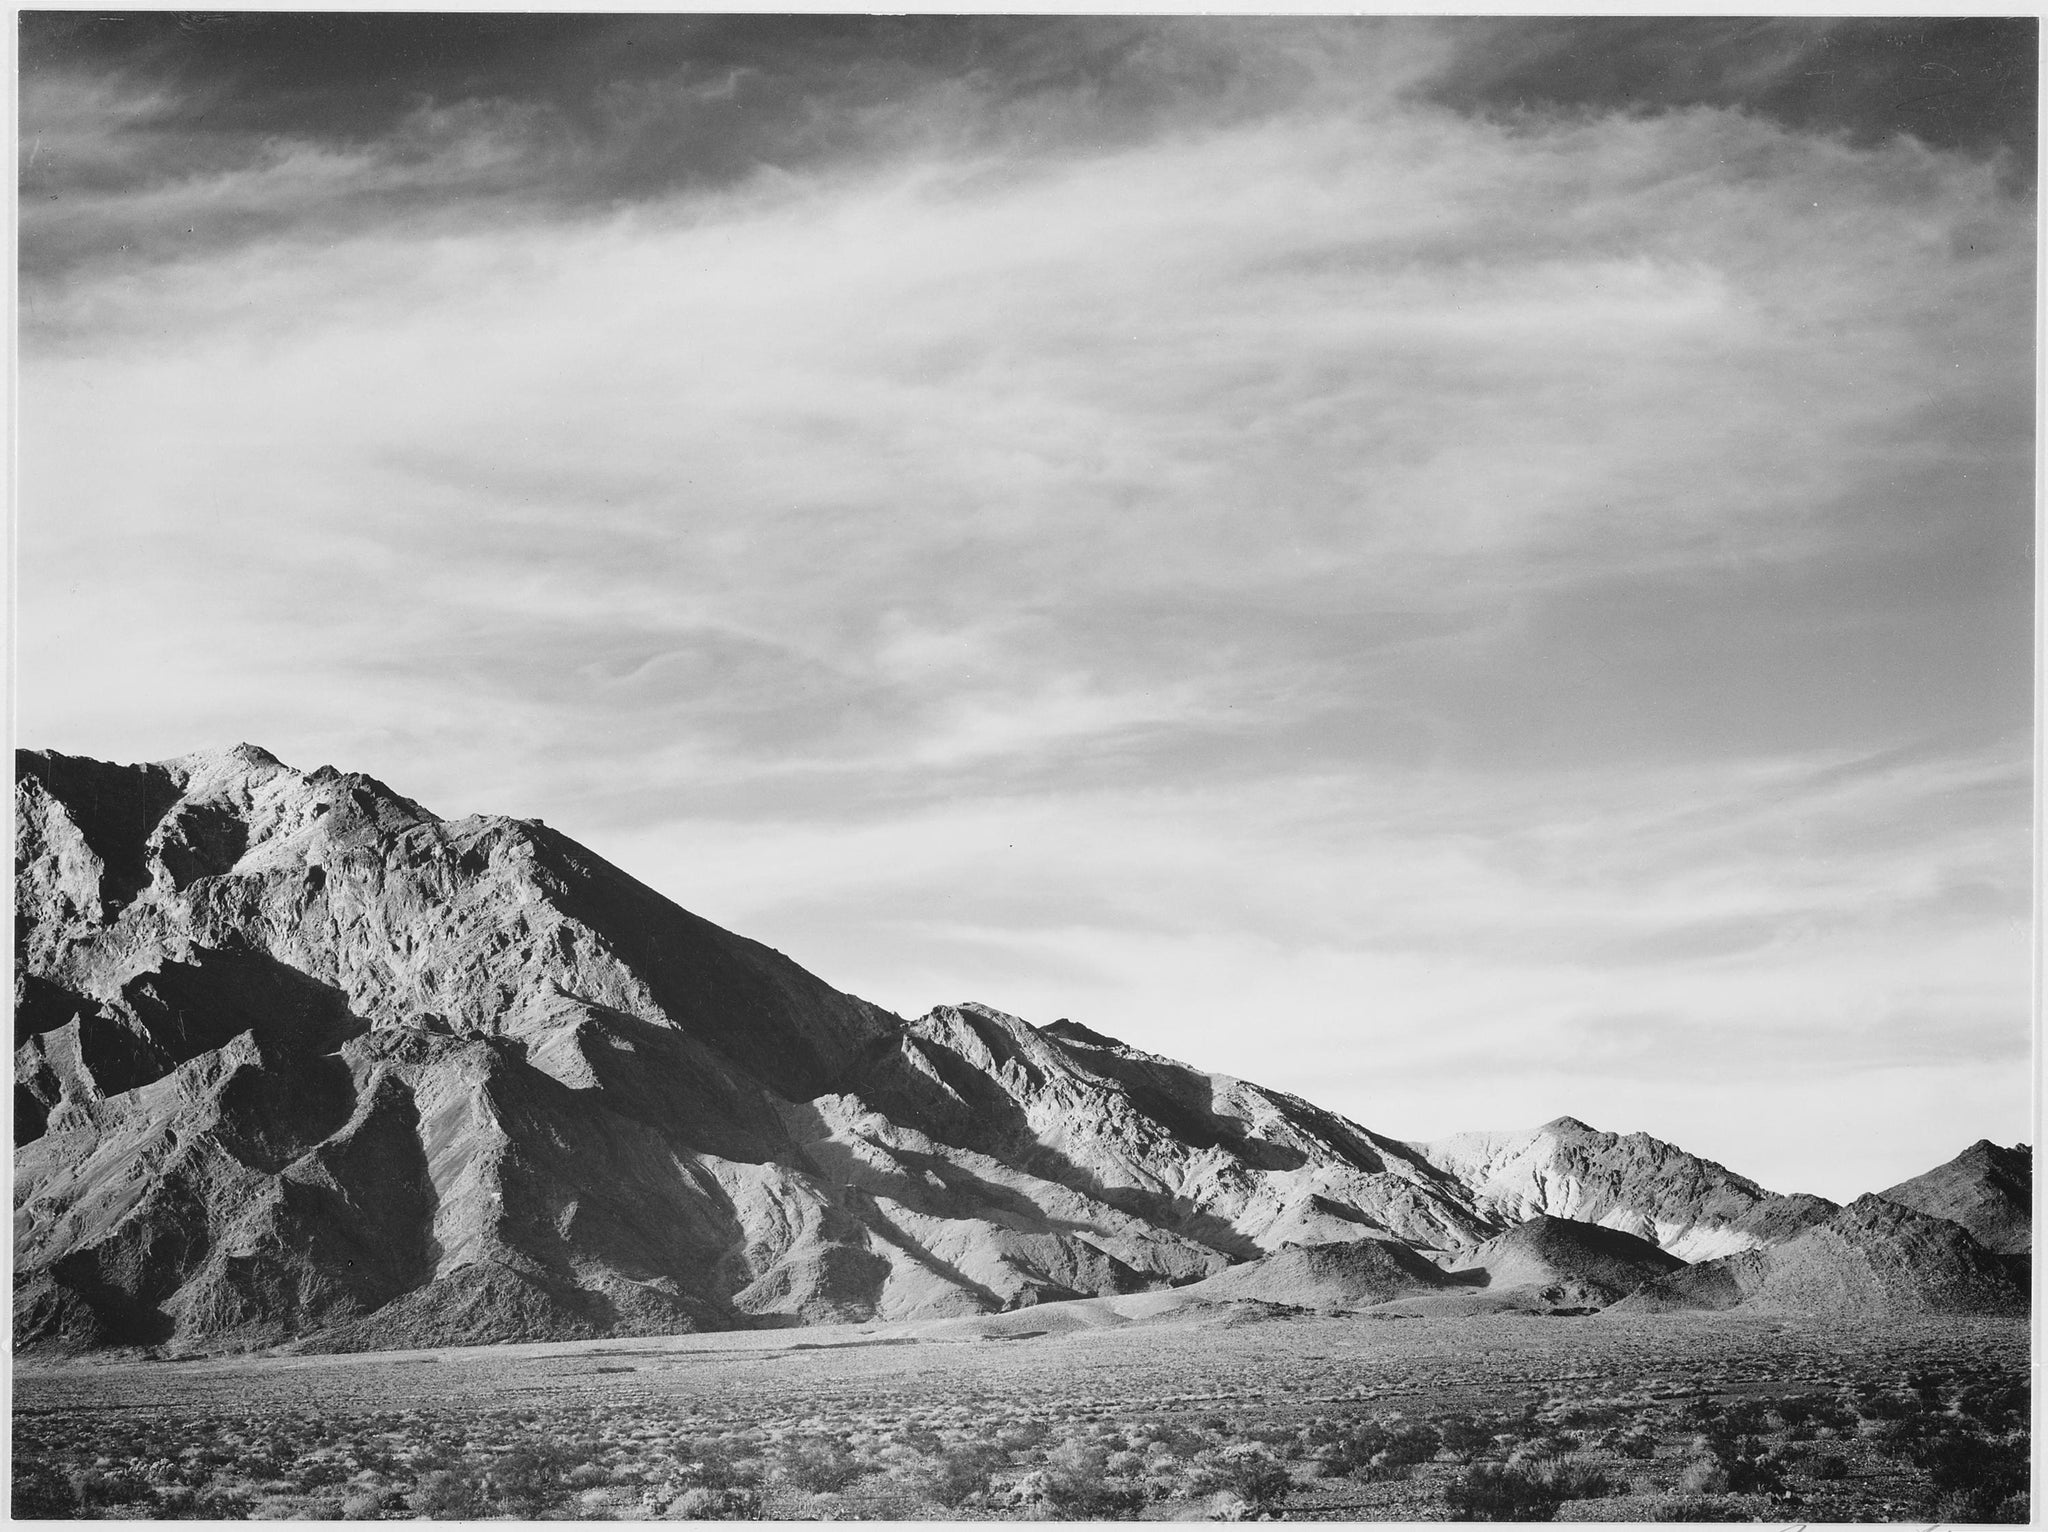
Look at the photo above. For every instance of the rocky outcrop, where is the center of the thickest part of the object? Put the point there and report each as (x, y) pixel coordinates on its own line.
(1567, 1263)
(1874, 1258)
(1691, 1207)
(1988, 1189)
(1345, 1275)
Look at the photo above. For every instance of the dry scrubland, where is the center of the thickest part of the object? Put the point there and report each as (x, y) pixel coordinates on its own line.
(1035, 1415)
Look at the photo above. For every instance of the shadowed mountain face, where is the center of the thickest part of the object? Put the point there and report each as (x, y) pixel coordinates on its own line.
(297, 1060)
(295, 1057)
(1987, 1189)
(1873, 1257)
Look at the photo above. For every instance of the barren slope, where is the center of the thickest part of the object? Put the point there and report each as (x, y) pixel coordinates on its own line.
(1691, 1207)
(1988, 1189)
(296, 1057)
(1874, 1257)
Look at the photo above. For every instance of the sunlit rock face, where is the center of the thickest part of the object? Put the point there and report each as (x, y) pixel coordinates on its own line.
(1690, 1207)
(297, 1057)
(299, 1061)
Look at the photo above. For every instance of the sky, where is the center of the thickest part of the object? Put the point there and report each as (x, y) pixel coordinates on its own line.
(1471, 570)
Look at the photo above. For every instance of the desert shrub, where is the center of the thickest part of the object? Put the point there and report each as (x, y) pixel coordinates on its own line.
(97, 1487)
(701, 1504)
(1254, 1477)
(1178, 1438)
(1887, 1406)
(922, 1439)
(1746, 1462)
(1354, 1450)
(1702, 1476)
(1023, 1435)
(367, 1504)
(316, 1473)
(528, 1479)
(816, 1467)
(208, 1504)
(1076, 1485)
(1746, 1417)
(1755, 1475)
(1994, 1404)
(1830, 1465)
(1546, 1445)
(1636, 1445)
(1700, 1410)
(42, 1493)
(1573, 1480)
(1578, 1416)
(1461, 1433)
(957, 1473)
(1411, 1444)
(1835, 1414)
(1698, 1508)
(1962, 1506)
(443, 1495)
(712, 1467)
(1795, 1410)
(1979, 1472)
(1488, 1492)
(1926, 1386)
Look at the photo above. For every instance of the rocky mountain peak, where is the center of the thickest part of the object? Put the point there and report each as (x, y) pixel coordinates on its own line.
(1988, 1189)
(1691, 1207)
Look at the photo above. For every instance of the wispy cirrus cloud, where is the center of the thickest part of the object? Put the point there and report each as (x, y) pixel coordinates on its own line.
(1189, 520)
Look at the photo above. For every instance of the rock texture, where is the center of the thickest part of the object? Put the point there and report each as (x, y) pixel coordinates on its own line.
(1691, 1207)
(1987, 1189)
(1874, 1258)
(1353, 1274)
(297, 1058)
(1567, 1263)
(298, 1061)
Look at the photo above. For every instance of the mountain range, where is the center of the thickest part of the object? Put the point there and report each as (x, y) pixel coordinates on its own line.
(300, 1062)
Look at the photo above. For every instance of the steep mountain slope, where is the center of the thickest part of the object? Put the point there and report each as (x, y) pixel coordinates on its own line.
(295, 1057)
(1987, 1189)
(1873, 1257)
(297, 1060)
(1691, 1207)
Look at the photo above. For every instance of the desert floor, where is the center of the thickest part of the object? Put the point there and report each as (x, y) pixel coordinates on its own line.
(1069, 1411)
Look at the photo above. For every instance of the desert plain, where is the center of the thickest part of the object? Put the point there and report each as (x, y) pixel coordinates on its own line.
(1088, 1410)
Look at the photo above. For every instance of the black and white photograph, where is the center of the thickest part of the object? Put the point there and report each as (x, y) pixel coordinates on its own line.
(1015, 767)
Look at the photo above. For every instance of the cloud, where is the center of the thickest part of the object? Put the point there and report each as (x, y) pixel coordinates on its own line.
(1470, 593)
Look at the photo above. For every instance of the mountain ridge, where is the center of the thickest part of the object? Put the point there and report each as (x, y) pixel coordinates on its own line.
(300, 1061)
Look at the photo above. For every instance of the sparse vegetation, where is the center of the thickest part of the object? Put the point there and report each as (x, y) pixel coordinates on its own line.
(1916, 1431)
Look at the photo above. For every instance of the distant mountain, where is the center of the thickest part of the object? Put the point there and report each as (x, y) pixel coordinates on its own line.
(299, 1061)
(1987, 1189)
(1691, 1207)
(1874, 1257)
